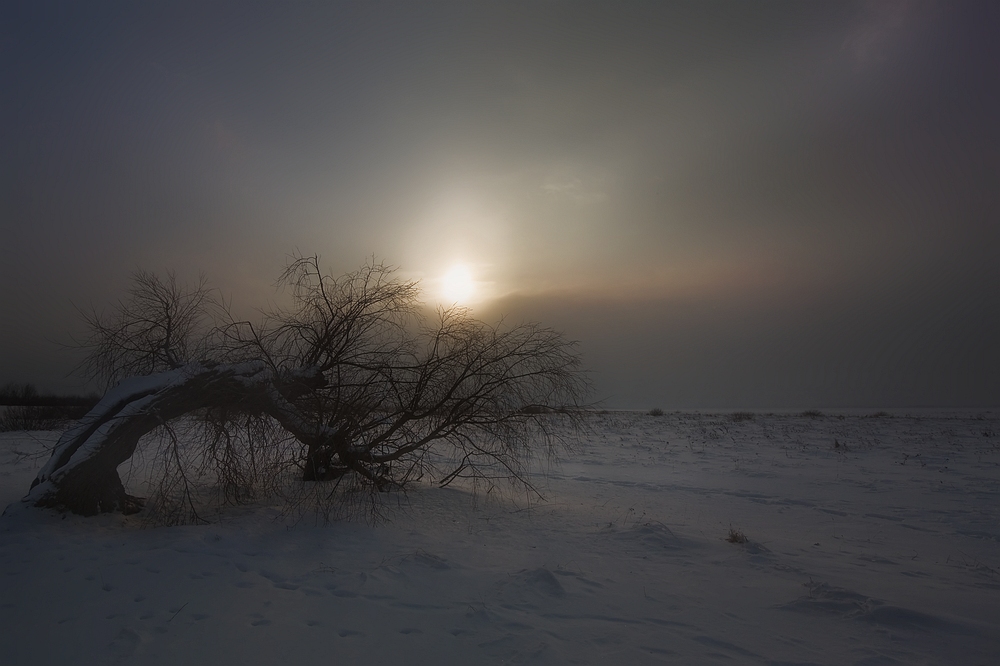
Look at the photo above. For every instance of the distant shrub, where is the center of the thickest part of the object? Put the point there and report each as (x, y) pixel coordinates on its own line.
(39, 418)
(537, 409)
(736, 536)
(878, 415)
(656, 411)
(742, 416)
(17, 394)
(812, 414)
(26, 395)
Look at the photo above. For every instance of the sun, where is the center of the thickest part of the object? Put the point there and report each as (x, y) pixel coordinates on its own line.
(457, 285)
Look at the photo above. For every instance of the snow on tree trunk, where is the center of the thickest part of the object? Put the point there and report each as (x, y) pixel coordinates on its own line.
(82, 474)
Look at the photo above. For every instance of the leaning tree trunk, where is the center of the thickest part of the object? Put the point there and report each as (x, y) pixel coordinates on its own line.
(82, 474)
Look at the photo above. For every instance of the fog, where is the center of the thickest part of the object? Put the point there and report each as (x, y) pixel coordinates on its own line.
(782, 204)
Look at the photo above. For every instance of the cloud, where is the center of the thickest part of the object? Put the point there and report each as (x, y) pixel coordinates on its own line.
(573, 189)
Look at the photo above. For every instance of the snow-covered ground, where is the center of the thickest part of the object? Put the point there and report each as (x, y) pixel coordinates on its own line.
(872, 540)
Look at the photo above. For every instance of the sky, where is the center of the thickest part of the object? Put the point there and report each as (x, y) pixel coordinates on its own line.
(728, 204)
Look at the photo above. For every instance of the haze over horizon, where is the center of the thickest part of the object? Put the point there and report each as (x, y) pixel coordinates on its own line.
(775, 204)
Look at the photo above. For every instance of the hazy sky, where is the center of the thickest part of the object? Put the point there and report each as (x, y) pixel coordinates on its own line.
(740, 204)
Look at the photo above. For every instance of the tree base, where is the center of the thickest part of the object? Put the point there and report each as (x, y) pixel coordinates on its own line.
(90, 497)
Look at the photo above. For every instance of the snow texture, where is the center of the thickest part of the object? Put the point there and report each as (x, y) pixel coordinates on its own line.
(871, 540)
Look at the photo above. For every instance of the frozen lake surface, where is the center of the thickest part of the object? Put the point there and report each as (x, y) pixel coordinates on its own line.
(870, 540)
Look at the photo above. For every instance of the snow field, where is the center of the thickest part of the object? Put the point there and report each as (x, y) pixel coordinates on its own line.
(872, 540)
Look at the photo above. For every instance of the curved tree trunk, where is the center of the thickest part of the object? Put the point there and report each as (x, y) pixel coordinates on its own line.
(82, 475)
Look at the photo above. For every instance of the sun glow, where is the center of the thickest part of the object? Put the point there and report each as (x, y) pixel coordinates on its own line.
(457, 285)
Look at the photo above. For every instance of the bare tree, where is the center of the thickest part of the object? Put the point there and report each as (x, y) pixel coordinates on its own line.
(348, 388)
(156, 328)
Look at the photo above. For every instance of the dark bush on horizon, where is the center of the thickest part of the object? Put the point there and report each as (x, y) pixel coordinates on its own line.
(26, 395)
(44, 417)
